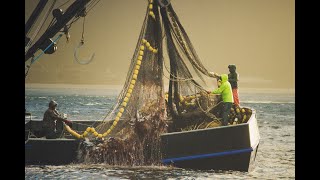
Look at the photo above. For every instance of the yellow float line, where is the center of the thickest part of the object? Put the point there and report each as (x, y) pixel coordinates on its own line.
(125, 100)
(84, 134)
(150, 48)
(150, 9)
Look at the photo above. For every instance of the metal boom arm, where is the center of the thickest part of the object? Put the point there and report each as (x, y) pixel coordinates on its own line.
(71, 12)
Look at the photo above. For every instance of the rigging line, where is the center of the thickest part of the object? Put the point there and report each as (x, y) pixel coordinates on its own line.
(185, 50)
(82, 36)
(178, 78)
(47, 13)
(185, 80)
(83, 8)
(191, 79)
(194, 64)
(93, 6)
(63, 4)
(33, 60)
(40, 25)
(37, 10)
(78, 17)
(88, 5)
(74, 20)
(51, 22)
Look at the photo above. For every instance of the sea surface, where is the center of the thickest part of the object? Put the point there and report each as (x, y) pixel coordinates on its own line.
(275, 158)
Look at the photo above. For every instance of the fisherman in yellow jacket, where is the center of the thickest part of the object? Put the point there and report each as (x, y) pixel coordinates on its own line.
(226, 93)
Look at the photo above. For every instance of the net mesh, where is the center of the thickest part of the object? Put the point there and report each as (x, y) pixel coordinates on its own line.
(144, 109)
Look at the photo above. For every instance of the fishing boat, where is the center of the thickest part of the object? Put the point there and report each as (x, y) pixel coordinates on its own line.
(62, 150)
(144, 103)
(232, 147)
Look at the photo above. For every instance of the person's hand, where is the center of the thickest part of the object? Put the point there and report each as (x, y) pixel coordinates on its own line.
(68, 122)
(211, 74)
(214, 75)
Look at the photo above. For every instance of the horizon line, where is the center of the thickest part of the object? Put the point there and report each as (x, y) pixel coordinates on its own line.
(119, 87)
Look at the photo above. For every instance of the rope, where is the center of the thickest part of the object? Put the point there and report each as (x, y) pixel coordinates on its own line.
(82, 36)
(164, 5)
(93, 5)
(33, 60)
(78, 17)
(63, 4)
(210, 115)
(40, 26)
(178, 78)
(208, 108)
(182, 80)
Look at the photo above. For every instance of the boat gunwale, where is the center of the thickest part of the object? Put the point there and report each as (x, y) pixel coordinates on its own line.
(253, 115)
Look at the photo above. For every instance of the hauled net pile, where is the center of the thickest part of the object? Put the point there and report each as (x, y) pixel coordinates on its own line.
(130, 132)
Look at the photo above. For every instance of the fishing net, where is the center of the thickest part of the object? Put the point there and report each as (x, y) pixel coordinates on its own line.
(130, 132)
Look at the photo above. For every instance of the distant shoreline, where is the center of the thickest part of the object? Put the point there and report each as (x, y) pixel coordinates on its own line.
(71, 86)
(288, 91)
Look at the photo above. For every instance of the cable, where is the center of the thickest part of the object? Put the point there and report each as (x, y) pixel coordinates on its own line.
(63, 4)
(33, 60)
(40, 26)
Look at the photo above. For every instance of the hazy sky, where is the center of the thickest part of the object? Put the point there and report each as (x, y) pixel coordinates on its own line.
(256, 35)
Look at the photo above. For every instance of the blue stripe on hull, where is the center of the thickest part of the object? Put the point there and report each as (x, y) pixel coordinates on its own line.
(166, 161)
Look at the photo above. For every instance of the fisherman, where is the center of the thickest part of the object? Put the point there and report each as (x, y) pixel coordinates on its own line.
(226, 94)
(52, 117)
(233, 78)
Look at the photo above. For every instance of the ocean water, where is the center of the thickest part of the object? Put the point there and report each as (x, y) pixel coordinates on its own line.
(275, 158)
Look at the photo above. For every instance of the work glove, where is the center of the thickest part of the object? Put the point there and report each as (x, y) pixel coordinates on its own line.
(68, 122)
(214, 75)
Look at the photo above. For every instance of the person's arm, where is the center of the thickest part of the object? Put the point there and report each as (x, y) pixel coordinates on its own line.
(214, 75)
(55, 115)
(218, 90)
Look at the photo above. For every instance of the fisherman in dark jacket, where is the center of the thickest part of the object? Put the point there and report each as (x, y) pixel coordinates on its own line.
(50, 118)
(233, 78)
